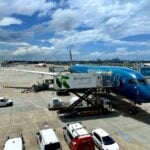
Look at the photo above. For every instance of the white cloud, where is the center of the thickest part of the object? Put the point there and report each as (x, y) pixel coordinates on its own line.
(107, 21)
(15, 43)
(65, 20)
(122, 53)
(114, 17)
(6, 21)
(97, 54)
(25, 7)
(33, 50)
(79, 38)
(75, 52)
(76, 23)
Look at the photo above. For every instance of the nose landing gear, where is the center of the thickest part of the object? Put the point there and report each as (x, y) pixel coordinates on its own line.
(133, 110)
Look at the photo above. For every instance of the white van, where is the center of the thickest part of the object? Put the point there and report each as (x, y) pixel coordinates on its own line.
(15, 143)
(48, 140)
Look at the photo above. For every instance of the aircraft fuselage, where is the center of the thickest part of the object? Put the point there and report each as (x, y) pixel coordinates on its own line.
(131, 83)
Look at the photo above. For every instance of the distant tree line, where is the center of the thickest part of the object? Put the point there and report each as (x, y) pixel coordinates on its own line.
(114, 61)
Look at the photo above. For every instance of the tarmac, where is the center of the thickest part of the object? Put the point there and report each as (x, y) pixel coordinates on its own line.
(29, 114)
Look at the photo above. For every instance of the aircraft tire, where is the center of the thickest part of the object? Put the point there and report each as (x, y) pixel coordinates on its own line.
(133, 111)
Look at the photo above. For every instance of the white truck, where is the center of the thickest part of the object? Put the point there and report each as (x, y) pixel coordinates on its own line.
(101, 105)
(57, 103)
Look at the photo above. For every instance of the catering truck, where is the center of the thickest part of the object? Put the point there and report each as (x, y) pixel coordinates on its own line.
(92, 84)
(82, 81)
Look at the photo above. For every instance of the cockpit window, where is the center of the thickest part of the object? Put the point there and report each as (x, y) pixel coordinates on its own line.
(133, 81)
(137, 81)
(142, 81)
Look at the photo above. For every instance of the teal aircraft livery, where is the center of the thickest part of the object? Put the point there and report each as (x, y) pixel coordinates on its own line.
(132, 83)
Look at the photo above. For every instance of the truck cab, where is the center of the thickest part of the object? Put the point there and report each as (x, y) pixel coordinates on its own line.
(77, 137)
(55, 103)
(47, 139)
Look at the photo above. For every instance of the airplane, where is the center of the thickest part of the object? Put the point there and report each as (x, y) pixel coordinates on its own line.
(41, 65)
(147, 64)
(132, 83)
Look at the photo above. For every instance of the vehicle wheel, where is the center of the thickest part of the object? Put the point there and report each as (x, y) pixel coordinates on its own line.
(10, 104)
(133, 111)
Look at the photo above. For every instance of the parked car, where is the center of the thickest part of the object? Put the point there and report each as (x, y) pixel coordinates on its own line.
(77, 137)
(48, 140)
(16, 143)
(5, 102)
(103, 140)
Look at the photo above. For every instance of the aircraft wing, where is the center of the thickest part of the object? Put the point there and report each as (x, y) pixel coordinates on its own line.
(30, 71)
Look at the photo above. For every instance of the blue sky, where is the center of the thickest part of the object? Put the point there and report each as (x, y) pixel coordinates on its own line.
(92, 29)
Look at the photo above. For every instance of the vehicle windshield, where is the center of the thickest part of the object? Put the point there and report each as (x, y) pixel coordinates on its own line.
(56, 101)
(52, 146)
(107, 140)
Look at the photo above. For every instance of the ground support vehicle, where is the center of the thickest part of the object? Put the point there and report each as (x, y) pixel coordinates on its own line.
(5, 102)
(91, 105)
(77, 137)
(93, 84)
(47, 139)
(16, 143)
(55, 104)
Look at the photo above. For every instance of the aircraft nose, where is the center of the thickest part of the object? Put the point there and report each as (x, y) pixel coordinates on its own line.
(146, 94)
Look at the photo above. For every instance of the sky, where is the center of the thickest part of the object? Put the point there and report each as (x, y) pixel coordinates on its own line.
(91, 29)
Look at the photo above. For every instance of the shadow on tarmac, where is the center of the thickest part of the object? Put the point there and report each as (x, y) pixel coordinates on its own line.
(120, 107)
(123, 107)
(17, 87)
(78, 118)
